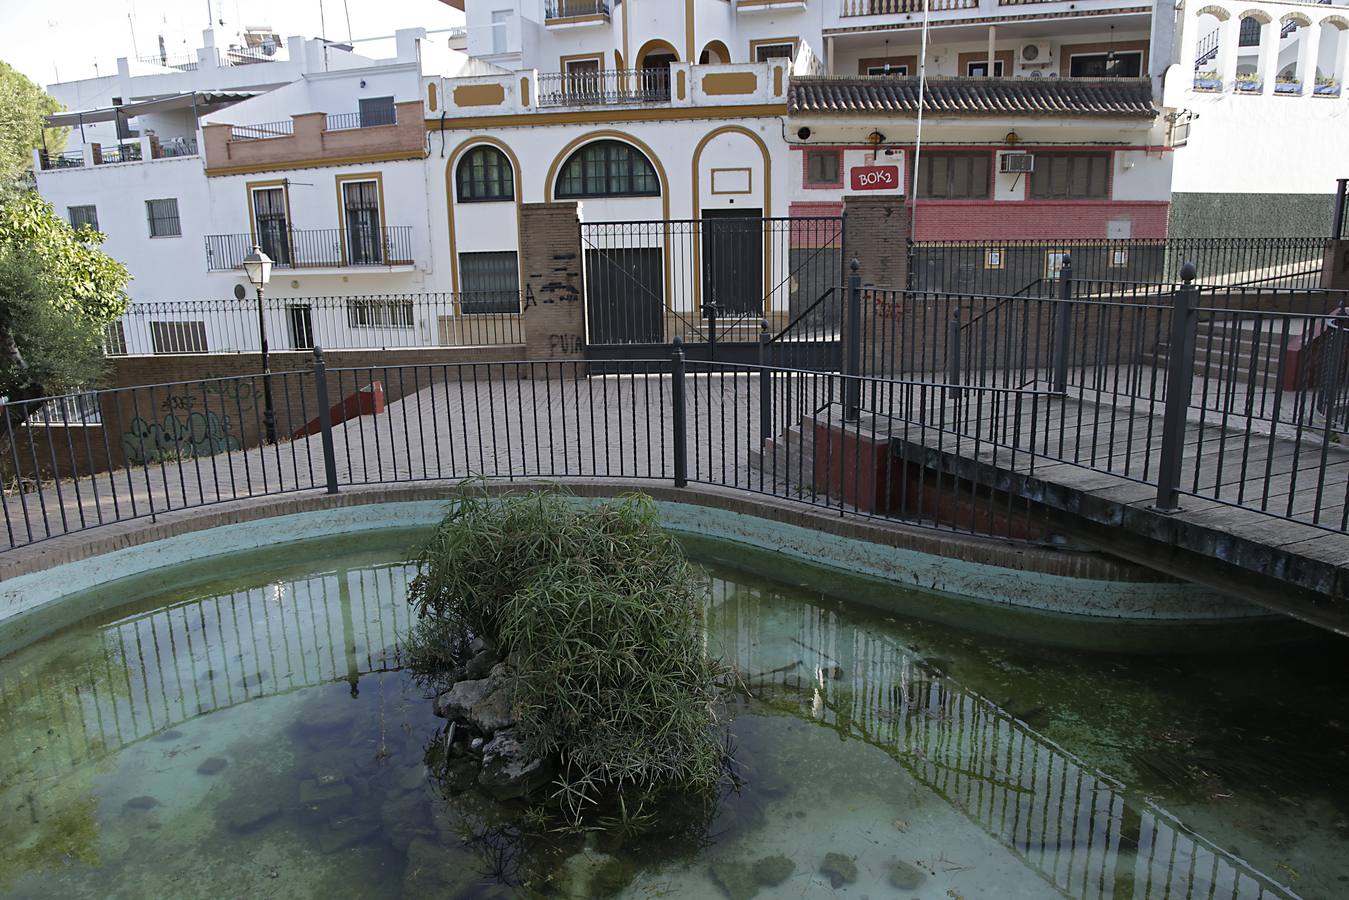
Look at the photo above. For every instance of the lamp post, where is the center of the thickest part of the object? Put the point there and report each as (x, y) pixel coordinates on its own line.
(258, 265)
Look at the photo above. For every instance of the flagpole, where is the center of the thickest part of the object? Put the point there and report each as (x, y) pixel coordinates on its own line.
(918, 142)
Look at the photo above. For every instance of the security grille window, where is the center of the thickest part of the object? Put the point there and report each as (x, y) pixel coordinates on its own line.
(484, 176)
(945, 175)
(270, 222)
(822, 167)
(490, 282)
(114, 339)
(1070, 176)
(163, 218)
(379, 312)
(980, 69)
(360, 211)
(765, 52)
(377, 111)
(1249, 35)
(887, 69)
(83, 215)
(607, 169)
(178, 337)
(1128, 64)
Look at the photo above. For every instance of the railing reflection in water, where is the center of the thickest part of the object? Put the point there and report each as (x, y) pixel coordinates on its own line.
(164, 667)
(1083, 831)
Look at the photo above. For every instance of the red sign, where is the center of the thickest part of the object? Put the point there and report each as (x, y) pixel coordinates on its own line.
(875, 178)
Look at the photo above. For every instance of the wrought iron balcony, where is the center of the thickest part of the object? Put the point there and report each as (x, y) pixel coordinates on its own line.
(604, 88)
(323, 248)
(574, 9)
(851, 8)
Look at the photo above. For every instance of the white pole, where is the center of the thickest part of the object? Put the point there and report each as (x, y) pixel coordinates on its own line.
(918, 138)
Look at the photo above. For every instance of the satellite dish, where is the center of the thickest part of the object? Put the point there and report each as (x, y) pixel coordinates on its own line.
(239, 292)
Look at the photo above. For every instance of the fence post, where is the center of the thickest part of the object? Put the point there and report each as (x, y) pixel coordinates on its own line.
(325, 420)
(765, 384)
(953, 353)
(1179, 382)
(710, 312)
(1063, 330)
(677, 401)
(1337, 228)
(852, 388)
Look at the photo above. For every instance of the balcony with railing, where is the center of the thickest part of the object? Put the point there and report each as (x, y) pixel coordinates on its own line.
(604, 88)
(146, 148)
(855, 8)
(321, 248)
(566, 13)
(316, 138)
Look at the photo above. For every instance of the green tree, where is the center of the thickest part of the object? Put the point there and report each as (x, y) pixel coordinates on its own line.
(23, 108)
(58, 292)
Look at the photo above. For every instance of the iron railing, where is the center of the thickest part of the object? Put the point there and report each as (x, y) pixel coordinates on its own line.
(1010, 266)
(705, 280)
(365, 322)
(852, 8)
(604, 87)
(183, 62)
(178, 146)
(1142, 389)
(353, 120)
(262, 130)
(247, 56)
(568, 9)
(119, 153)
(315, 248)
(67, 159)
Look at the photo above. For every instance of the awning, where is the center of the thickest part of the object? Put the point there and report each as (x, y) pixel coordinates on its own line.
(203, 100)
(1129, 98)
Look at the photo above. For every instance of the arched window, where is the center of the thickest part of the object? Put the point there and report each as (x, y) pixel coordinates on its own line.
(607, 169)
(485, 175)
(1249, 35)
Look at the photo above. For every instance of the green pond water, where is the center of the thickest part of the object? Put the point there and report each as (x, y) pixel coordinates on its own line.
(244, 728)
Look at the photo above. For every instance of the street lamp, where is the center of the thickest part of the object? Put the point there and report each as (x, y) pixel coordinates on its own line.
(258, 265)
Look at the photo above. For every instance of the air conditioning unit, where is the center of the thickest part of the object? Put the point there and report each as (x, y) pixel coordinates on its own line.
(1036, 54)
(1016, 163)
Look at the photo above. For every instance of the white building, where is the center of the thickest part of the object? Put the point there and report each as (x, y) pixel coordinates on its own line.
(1053, 120)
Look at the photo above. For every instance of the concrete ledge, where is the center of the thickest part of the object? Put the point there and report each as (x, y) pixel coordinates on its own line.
(992, 572)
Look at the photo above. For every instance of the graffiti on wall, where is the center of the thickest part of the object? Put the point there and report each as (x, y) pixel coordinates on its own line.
(178, 437)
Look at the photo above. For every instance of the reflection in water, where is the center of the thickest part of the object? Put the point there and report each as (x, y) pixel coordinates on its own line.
(72, 705)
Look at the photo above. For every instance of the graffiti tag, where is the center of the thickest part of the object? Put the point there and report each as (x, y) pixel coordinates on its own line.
(197, 434)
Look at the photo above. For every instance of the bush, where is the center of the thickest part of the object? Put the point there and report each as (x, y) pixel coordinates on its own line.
(600, 617)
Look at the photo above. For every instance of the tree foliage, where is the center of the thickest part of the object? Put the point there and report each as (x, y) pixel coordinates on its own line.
(23, 106)
(58, 291)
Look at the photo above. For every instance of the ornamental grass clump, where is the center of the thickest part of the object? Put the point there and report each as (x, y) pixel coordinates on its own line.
(599, 615)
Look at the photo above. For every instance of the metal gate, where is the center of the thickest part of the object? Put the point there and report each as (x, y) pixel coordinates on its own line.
(710, 281)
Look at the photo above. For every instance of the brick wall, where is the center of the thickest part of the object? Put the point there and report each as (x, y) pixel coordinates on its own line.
(952, 220)
(550, 258)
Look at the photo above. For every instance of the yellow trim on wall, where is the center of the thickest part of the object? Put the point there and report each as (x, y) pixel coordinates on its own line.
(655, 45)
(479, 95)
(721, 84)
(524, 92)
(767, 205)
(356, 178)
(749, 180)
(681, 84)
(689, 45)
(431, 96)
(590, 137)
(451, 164)
(578, 57)
(794, 40)
(607, 116)
(777, 80)
(255, 168)
(721, 49)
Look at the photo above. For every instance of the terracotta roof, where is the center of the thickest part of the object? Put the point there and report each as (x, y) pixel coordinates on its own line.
(1054, 97)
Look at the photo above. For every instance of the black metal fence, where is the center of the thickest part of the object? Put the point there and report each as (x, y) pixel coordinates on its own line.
(1030, 267)
(364, 322)
(709, 279)
(321, 248)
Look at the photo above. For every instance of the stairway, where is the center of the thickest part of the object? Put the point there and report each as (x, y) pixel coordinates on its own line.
(1245, 351)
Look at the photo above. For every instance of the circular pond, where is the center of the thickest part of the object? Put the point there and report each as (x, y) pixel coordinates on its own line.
(244, 726)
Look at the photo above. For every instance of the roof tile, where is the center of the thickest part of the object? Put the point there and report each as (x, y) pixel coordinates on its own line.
(1052, 97)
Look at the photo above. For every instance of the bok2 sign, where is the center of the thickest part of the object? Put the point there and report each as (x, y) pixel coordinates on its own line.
(875, 178)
